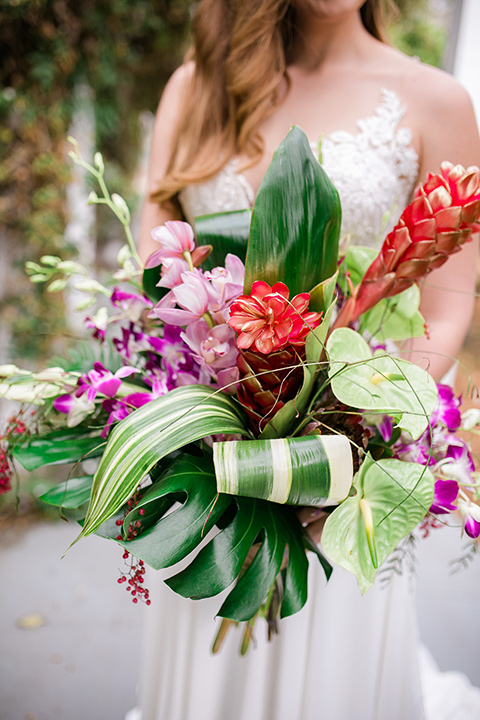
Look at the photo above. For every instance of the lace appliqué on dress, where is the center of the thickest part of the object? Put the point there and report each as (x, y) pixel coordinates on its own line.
(374, 171)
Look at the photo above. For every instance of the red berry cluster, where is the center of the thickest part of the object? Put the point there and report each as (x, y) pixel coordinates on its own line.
(428, 523)
(135, 569)
(15, 428)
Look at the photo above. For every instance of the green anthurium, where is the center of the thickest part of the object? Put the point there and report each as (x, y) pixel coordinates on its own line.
(296, 220)
(396, 495)
(379, 382)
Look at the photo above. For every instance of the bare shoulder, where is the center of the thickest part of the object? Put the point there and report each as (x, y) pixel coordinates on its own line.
(424, 87)
(179, 83)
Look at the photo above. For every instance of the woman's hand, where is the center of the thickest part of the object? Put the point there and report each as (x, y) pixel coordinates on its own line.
(313, 520)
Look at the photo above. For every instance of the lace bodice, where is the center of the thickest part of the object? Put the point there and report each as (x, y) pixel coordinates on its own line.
(374, 171)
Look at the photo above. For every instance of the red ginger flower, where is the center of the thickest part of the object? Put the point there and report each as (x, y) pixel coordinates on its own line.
(267, 321)
(440, 219)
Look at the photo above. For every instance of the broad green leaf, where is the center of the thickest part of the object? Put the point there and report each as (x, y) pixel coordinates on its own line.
(321, 296)
(295, 221)
(59, 447)
(227, 232)
(396, 318)
(310, 470)
(70, 494)
(190, 481)
(174, 531)
(150, 278)
(357, 261)
(158, 428)
(399, 495)
(220, 562)
(380, 383)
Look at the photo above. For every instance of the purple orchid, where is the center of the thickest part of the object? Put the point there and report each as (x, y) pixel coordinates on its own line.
(75, 408)
(448, 408)
(471, 518)
(100, 380)
(458, 463)
(446, 492)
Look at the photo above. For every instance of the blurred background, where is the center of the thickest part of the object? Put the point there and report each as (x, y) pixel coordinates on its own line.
(95, 70)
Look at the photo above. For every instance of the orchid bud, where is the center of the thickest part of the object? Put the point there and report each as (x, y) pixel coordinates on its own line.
(122, 206)
(51, 260)
(92, 198)
(87, 303)
(9, 370)
(57, 285)
(470, 418)
(124, 254)
(53, 374)
(90, 285)
(98, 160)
(471, 518)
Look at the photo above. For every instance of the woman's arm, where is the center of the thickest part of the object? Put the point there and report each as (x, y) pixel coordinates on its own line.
(165, 127)
(449, 132)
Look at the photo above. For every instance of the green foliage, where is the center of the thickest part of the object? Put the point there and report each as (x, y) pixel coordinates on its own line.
(123, 50)
(418, 32)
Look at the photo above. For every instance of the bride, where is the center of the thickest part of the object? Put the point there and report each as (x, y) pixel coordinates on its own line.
(384, 120)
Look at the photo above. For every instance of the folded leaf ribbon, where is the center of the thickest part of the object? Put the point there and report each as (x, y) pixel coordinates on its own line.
(311, 470)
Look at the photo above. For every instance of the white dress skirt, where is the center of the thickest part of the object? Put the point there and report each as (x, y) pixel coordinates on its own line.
(344, 656)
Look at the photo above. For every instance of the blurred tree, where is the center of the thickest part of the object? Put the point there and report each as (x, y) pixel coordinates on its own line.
(419, 31)
(124, 50)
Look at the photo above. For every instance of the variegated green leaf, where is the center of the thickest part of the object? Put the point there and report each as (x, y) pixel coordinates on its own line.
(137, 443)
(311, 470)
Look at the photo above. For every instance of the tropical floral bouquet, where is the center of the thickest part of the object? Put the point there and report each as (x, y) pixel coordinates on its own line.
(247, 372)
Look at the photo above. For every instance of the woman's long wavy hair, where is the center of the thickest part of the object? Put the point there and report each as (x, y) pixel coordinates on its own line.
(240, 53)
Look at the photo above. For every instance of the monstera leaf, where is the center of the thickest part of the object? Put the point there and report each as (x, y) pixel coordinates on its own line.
(150, 433)
(172, 533)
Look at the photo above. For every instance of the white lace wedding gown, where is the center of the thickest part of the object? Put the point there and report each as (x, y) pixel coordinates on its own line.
(344, 656)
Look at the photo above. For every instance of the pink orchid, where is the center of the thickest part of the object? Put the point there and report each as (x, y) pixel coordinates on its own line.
(227, 282)
(215, 348)
(266, 321)
(172, 270)
(192, 295)
(175, 238)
